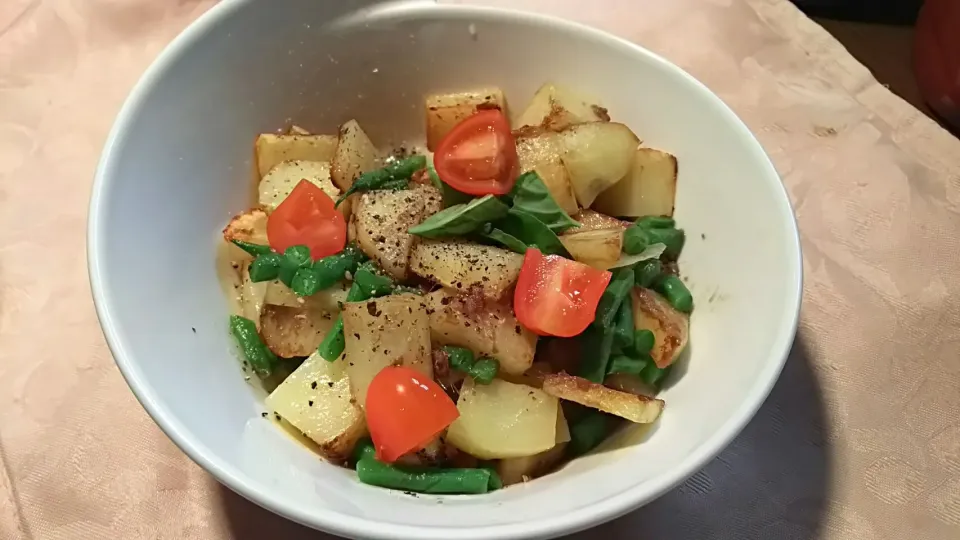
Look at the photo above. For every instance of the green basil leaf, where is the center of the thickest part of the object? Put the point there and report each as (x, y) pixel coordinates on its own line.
(461, 219)
(506, 240)
(532, 232)
(531, 195)
(450, 196)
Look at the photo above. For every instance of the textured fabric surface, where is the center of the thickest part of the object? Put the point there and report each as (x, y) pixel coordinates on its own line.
(859, 440)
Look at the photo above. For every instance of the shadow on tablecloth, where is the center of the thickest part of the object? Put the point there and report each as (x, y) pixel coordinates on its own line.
(771, 482)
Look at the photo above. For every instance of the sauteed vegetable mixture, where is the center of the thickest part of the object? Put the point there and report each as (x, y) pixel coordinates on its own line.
(469, 316)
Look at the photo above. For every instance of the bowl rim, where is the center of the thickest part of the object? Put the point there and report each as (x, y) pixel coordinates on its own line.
(611, 507)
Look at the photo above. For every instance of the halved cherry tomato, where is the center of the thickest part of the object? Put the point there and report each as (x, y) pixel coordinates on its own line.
(405, 410)
(479, 155)
(307, 217)
(556, 296)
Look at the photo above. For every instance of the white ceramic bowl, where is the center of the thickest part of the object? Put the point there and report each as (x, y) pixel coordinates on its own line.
(177, 165)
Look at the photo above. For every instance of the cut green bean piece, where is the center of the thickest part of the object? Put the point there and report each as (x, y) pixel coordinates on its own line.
(364, 449)
(251, 248)
(589, 431)
(372, 284)
(653, 375)
(334, 342)
(616, 291)
(626, 364)
(484, 370)
(333, 268)
(623, 325)
(305, 282)
(400, 170)
(261, 359)
(459, 358)
(643, 341)
(265, 267)
(495, 481)
(673, 289)
(595, 349)
(436, 481)
(647, 272)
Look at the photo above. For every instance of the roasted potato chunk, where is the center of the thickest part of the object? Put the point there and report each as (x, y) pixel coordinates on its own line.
(290, 331)
(389, 331)
(280, 181)
(447, 110)
(464, 266)
(599, 249)
(541, 151)
(485, 328)
(636, 408)
(382, 219)
(503, 420)
(317, 400)
(248, 226)
(273, 149)
(521, 469)
(595, 221)
(648, 190)
(557, 108)
(251, 296)
(671, 328)
(355, 155)
(597, 155)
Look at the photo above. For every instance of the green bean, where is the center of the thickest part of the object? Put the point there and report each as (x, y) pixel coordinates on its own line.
(647, 272)
(364, 449)
(673, 289)
(643, 341)
(305, 282)
(626, 364)
(595, 349)
(333, 268)
(265, 267)
(372, 284)
(638, 238)
(400, 170)
(613, 296)
(395, 185)
(261, 358)
(251, 248)
(653, 375)
(485, 370)
(656, 222)
(623, 325)
(495, 481)
(587, 432)
(294, 258)
(438, 481)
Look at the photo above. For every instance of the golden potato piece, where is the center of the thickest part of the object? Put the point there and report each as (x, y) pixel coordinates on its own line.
(464, 266)
(597, 155)
(485, 328)
(280, 181)
(355, 155)
(290, 331)
(599, 249)
(639, 409)
(316, 399)
(447, 110)
(248, 226)
(541, 151)
(648, 190)
(381, 220)
(392, 330)
(557, 108)
(272, 149)
(591, 220)
(671, 328)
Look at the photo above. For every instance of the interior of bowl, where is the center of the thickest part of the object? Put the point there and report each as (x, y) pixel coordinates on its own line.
(178, 165)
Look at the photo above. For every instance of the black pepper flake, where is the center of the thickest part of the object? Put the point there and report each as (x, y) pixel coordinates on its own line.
(277, 416)
(263, 414)
(445, 300)
(703, 236)
(313, 385)
(459, 285)
(356, 335)
(466, 324)
(194, 329)
(484, 278)
(330, 384)
(372, 309)
(381, 239)
(517, 328)
(310, 403)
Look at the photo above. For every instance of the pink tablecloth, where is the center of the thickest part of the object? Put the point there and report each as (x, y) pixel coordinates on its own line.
(860, 439)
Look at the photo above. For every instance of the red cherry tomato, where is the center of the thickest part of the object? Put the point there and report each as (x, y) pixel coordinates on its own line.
(479, 155)
(405, 410)
(556, 296)
(307, 217)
